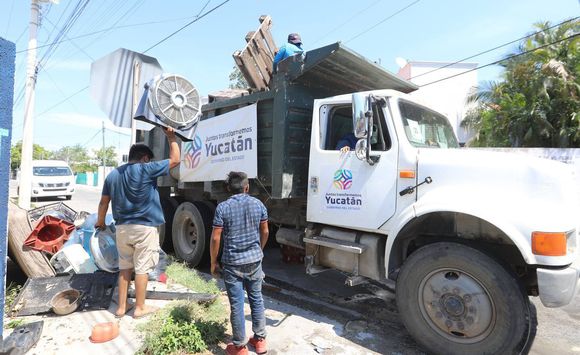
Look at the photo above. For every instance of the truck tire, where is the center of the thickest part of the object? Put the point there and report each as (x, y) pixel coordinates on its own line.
(169, 206)
(189, 234)
(454, 299)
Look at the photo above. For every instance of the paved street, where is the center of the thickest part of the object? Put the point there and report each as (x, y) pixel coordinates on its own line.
(366, 314)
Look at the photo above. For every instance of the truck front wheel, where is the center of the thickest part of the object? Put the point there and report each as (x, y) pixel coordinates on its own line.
(189, 234)
(455, 299)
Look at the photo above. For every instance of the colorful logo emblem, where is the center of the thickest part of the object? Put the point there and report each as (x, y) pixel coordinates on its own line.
(193, 153)
(343, 179)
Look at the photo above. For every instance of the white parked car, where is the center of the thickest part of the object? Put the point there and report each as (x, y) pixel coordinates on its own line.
(52, 178)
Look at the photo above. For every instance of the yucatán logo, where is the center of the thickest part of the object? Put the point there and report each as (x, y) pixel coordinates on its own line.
(342, 199)
(193, 153)
(343, 179)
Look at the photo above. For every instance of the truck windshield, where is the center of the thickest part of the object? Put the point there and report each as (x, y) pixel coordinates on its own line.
(51, 171)
(426, 128)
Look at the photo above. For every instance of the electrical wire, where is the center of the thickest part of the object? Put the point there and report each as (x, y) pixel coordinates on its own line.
(383, 20)
(187, 25)
(345, 22)
(494, 48)
(502, 60)
(9, 18)
(105, 30)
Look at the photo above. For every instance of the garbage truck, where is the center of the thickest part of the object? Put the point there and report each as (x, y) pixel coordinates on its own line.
(465, 235)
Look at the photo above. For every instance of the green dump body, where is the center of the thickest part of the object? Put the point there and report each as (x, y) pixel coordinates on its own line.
(285, 112)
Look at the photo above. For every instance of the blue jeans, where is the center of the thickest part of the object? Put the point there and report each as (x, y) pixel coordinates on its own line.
(248, 277)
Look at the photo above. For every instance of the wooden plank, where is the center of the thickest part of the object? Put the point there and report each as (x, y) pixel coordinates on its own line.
(250, 66)
(260, 64)
(32, 262)
(240, 64)
(267, 35)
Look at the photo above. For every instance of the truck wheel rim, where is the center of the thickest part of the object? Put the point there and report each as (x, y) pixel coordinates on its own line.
(456, 305)
(188, 236)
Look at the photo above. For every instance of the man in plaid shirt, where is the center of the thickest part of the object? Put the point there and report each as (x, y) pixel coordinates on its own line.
(243, 221)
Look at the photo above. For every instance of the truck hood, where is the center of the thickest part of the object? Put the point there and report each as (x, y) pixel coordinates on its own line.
(540, 193)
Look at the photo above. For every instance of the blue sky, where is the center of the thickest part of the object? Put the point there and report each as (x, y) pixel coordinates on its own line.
(428, 30)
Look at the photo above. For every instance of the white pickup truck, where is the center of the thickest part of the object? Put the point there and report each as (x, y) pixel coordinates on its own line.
(465, 235)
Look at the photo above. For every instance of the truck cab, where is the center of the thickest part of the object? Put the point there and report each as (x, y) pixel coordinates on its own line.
(465, 236)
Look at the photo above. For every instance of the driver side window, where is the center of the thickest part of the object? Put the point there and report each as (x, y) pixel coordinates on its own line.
(339, 132)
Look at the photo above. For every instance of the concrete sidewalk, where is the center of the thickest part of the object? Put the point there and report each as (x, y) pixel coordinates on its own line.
(291, 330)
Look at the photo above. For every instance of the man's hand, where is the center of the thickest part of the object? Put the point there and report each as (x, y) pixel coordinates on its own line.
(100, 225)
(345, 149)
(216, 270)
(169, 132)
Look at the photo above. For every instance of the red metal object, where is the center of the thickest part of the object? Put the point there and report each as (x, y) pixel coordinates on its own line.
(49, 234)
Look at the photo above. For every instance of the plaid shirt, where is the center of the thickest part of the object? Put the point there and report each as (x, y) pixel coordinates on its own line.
(240, 217)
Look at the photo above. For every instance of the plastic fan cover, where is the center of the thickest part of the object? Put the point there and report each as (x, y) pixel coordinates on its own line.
(175, 101)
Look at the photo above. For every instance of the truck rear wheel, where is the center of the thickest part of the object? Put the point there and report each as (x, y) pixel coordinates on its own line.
(454, 299)
(169, 206)
(190, 236)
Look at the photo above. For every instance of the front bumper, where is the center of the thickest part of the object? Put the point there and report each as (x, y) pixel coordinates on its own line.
(558, 287)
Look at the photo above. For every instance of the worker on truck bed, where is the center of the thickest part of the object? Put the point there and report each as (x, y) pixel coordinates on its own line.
(293, 47)
(132, 189)
(243, 221)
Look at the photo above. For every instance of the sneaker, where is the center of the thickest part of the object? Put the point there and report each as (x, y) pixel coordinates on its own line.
(231, 349)
(259, 344)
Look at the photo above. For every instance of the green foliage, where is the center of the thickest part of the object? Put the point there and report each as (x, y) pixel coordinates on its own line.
(77, 157)
(184, 326)
(237, 80)
(175, 336)
(14, 323)
(110, 156)
(190, 278)
(12, 292)
(538, 101)
(38, 153)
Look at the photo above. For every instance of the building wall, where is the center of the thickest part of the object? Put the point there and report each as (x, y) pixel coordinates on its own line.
(7, 56)
(448, 96)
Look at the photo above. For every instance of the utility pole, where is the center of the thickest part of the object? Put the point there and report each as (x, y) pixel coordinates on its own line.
(25, 184)
(103, 150)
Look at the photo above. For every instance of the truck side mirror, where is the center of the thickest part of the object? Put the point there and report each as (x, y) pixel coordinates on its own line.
(362, 116)
(361, 112)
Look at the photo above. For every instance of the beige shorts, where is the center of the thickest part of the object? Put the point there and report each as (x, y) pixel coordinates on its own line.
(138, 247)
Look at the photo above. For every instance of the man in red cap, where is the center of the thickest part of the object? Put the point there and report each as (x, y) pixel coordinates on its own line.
(293, 47)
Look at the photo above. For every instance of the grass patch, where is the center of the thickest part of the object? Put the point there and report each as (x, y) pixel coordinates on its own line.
(12, 292)
(190, 278)
(14, 323)
(184, 326)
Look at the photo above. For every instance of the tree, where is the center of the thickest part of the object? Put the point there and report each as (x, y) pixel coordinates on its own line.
(537, 103)
(237, 80)
(77, 157)
(38, 153)
(110, 156)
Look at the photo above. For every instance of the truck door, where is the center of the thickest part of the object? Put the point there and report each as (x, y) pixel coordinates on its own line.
(343, 190)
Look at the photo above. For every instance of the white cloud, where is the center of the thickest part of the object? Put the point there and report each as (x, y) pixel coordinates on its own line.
(87, 121)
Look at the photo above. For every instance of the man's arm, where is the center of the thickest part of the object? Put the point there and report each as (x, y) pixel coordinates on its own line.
(174, 153)
(264, 233)
(214, 249)
(102, 212)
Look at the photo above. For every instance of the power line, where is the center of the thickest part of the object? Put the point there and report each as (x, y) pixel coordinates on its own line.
(345, 22)
(105, 30)
(384, 20)
(86, 87)
(502, 60)
(9, 18)
(493, 49)
(187, 25)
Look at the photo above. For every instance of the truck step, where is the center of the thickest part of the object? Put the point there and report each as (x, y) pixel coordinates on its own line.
(349, 247)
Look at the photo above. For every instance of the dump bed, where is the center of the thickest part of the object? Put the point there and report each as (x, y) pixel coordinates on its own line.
(285, 112)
